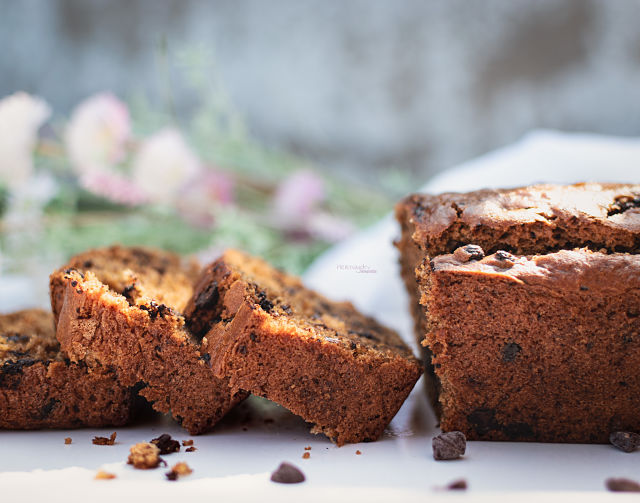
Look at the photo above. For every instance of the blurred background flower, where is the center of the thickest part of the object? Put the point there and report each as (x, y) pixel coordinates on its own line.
(97, 134)
(21, 116)
(237, 132)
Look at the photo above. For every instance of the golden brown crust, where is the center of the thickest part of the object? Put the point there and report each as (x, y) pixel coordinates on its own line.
(147, 343)
(320, 359)
(133, 271)
(40, 388)
(540, 343)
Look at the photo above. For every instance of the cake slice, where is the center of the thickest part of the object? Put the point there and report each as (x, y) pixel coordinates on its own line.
(535, 341)
(168, 278)
(41, 388)
(107, 315)
(322, 360)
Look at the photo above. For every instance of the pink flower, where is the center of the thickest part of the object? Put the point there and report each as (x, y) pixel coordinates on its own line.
(329, 228)
(164, 165)
(201, 198)
(297, 197)
(114, 187)
(21, 116)
(97, 134)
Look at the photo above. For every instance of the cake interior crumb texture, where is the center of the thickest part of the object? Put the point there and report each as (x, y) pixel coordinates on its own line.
(323, 360)
(40, 388)
(539, 340)
(113, 317)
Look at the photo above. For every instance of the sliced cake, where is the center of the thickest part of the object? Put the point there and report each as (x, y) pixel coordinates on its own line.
(41, 388)
(527, 303)
(107, 315)
(323, 360)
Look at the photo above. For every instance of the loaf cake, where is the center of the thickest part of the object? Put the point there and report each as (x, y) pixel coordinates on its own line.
(109, 316)
(527, 302)
(40, 388)
(322, 360)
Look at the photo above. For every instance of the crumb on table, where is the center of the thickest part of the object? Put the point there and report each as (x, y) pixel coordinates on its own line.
(178, 470)
(102, 475)
(144, 456)
(104, 440)
(67, 440)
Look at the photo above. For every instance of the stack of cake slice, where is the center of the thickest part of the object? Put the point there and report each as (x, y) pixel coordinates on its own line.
(527, 303)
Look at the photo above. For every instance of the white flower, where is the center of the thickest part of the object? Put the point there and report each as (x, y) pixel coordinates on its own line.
(97, 133)
(164, 165)
(21, 115)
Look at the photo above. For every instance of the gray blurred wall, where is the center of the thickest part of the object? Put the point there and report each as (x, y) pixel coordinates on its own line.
(356, 85)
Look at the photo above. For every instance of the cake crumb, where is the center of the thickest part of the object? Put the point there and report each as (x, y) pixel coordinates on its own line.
(358, 453)
(187, 443)
(306, 455)
(102, 475)
(67, 440)
(178, 470)
(191, 449)
(104, 440)
(144, 456)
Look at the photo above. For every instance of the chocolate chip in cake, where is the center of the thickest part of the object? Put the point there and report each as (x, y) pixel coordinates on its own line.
(287, 474)
(483, 420)
(626, 441)
(104, 440)
(263, 302)
(469, 252)
(620, 485)
(166, 444)
(504, 256)
(510, 351)
(450, 445)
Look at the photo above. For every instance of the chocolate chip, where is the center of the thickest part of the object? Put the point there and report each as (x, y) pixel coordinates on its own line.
(19, 338)
(457, 485)
(15, 367)
(469, 252)
(510, 351)
(623, 203)
(450, 445)
(47, 408)
(166, 444)
(209, 297)
(483, 420)
(287, 474)
(242, 349)
(626, 441)
(263, 302)
(287, 309)
(518, 431)
(503, 255)
(622, 485)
